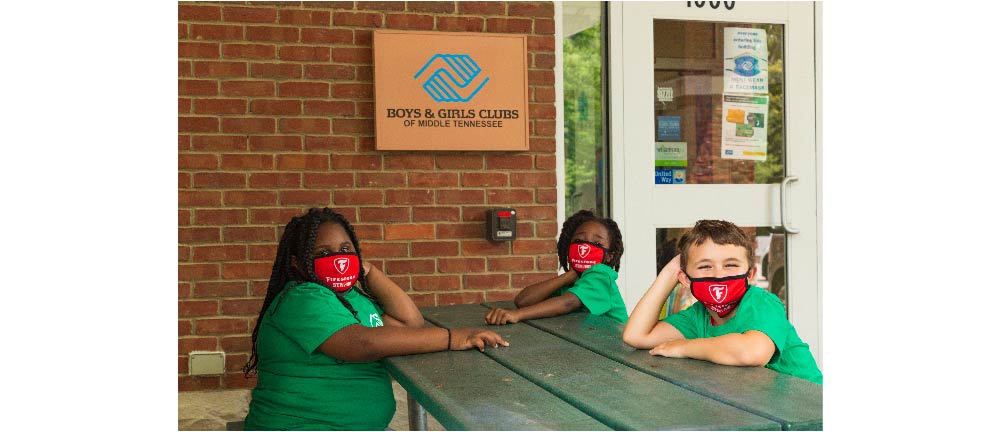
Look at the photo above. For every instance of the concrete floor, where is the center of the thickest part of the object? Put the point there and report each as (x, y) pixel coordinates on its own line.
(211, 410)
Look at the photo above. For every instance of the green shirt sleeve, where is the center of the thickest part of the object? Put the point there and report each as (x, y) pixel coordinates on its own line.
(594, 288)
(687, 321)
(768, 317)
(309, 314)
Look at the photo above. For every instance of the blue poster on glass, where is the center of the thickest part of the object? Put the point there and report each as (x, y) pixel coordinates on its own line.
(668, 128)
(670, 175)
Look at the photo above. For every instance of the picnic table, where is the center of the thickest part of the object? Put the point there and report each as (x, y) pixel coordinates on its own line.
(573, 372)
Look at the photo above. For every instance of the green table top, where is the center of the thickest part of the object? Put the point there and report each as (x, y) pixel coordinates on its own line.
(795, 403)
(545, 366)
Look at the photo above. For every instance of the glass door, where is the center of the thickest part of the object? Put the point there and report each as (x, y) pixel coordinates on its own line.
(716, 119)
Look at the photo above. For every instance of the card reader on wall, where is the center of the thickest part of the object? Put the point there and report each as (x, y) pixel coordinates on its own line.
(501, 224)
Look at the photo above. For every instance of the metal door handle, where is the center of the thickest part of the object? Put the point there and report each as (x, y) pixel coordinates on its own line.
(784, 205)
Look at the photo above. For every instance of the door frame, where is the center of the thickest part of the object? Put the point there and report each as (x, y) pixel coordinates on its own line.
(802, 152)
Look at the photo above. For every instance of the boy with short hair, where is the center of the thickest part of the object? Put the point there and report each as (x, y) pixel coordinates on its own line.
(733, 323)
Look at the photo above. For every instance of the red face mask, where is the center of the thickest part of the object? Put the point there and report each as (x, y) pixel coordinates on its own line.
(584, 255)
(721, 295)
(338, 271)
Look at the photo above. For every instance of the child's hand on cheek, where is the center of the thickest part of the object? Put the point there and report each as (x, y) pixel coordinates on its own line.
(670, 348)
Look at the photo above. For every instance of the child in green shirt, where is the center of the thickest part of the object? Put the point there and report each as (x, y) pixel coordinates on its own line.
(733, 323)
(590, 250)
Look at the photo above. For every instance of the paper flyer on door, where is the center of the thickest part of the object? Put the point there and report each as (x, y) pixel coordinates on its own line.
(745, 60)
(744, 127)
(671, 163)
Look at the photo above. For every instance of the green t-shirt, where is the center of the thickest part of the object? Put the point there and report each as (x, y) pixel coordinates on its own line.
(762, 311)
(597, 290)
(299, 387)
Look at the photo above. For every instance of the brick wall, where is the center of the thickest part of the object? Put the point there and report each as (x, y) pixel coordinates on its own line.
(275, 116)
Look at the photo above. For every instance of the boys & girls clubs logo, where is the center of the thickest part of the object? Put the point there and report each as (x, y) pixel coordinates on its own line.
(453, 78)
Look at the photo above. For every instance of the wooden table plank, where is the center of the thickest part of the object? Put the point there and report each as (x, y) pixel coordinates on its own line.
(619, 396)
(495, 399)
(795, 403)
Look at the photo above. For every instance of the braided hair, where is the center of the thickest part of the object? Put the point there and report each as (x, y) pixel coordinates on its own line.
(616, 246)
(297, 243)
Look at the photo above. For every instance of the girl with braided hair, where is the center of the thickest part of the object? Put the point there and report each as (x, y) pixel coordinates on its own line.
(590, 250)
(323, 328)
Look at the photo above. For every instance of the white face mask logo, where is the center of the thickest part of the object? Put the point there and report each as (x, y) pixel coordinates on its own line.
(341, 264)
(719, 292)
(584, 250)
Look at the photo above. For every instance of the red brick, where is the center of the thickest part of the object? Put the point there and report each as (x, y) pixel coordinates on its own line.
(183, 106)
(353, 91)
(254, 15)
(183, 142)
(273, 180)
(483, 247)
(183, 253)
(435, 214)
(364, 73)
(220, 289)
(329, 71)
(218, 142)
(546, 145)
(525, 230)
(409, 231)
(525, 247)
(220, 216)
(474, 213)
(258, 288)
(371, 232)
(276, 143)
(194, 383)
(248, 234)
(241, 307)
(184, 68)
(186, 345)
(199, 235)
(487, 179)
(385, 214)
(529, 213)
(403, 281)
(235, 362)
(261, 252)
(347, 5)
(353, 126)
(314, 198)
(461, 265)
(248, 125)
(381, 179)
(421, 266)
(548, 262)
(482, 8)
(220, 106)
(273, 216)
(247, 161)
(463, 24)
(183, 217)
(544, 94)
(194, 308)
(194, 272)
(508, 264)
(531, 9)
(357, 19)
(533, 179)
(198, 13)
(329, 108)
(277, 107)
(238, 343)
(407, 196)
(437, 283)
(197, 124)
(504, 295)
(431, 6)
(303, 17)
(275, 70)
(460, 298)
(305, 89)
(220, 326)
(184, 328)
(331, 143)
(304, 53)
(460, 197)
(327, 36)
(459, 161)
(542, 111)
(197, 161)
(464, 230)
(409, 21)
(408, 161)
(422, 300)
(541, 78)
(508, 25)
(309, 162)
(327, 180)
(198, 49)
(251, 198)
(510, 196)
(197, 87)
(238, 381)
(273, 34)
(385, 250)
(355, 55)
(246, 270)
(356, 162)
(525, 279)
(248, 88)
(198, 198)
(433, 180)
(545, 26)
(252, 51)
(487, 281)
(436, 248)
(545, 162)
(381, 5)
(357, 197)
(219, 69)
(546, 196)
(216, 32)
(363, 37)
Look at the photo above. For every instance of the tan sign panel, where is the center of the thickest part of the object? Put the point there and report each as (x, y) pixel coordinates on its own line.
(450, 91)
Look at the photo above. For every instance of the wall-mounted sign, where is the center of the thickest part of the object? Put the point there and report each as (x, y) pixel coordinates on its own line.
(450, 91)
(745, 68)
